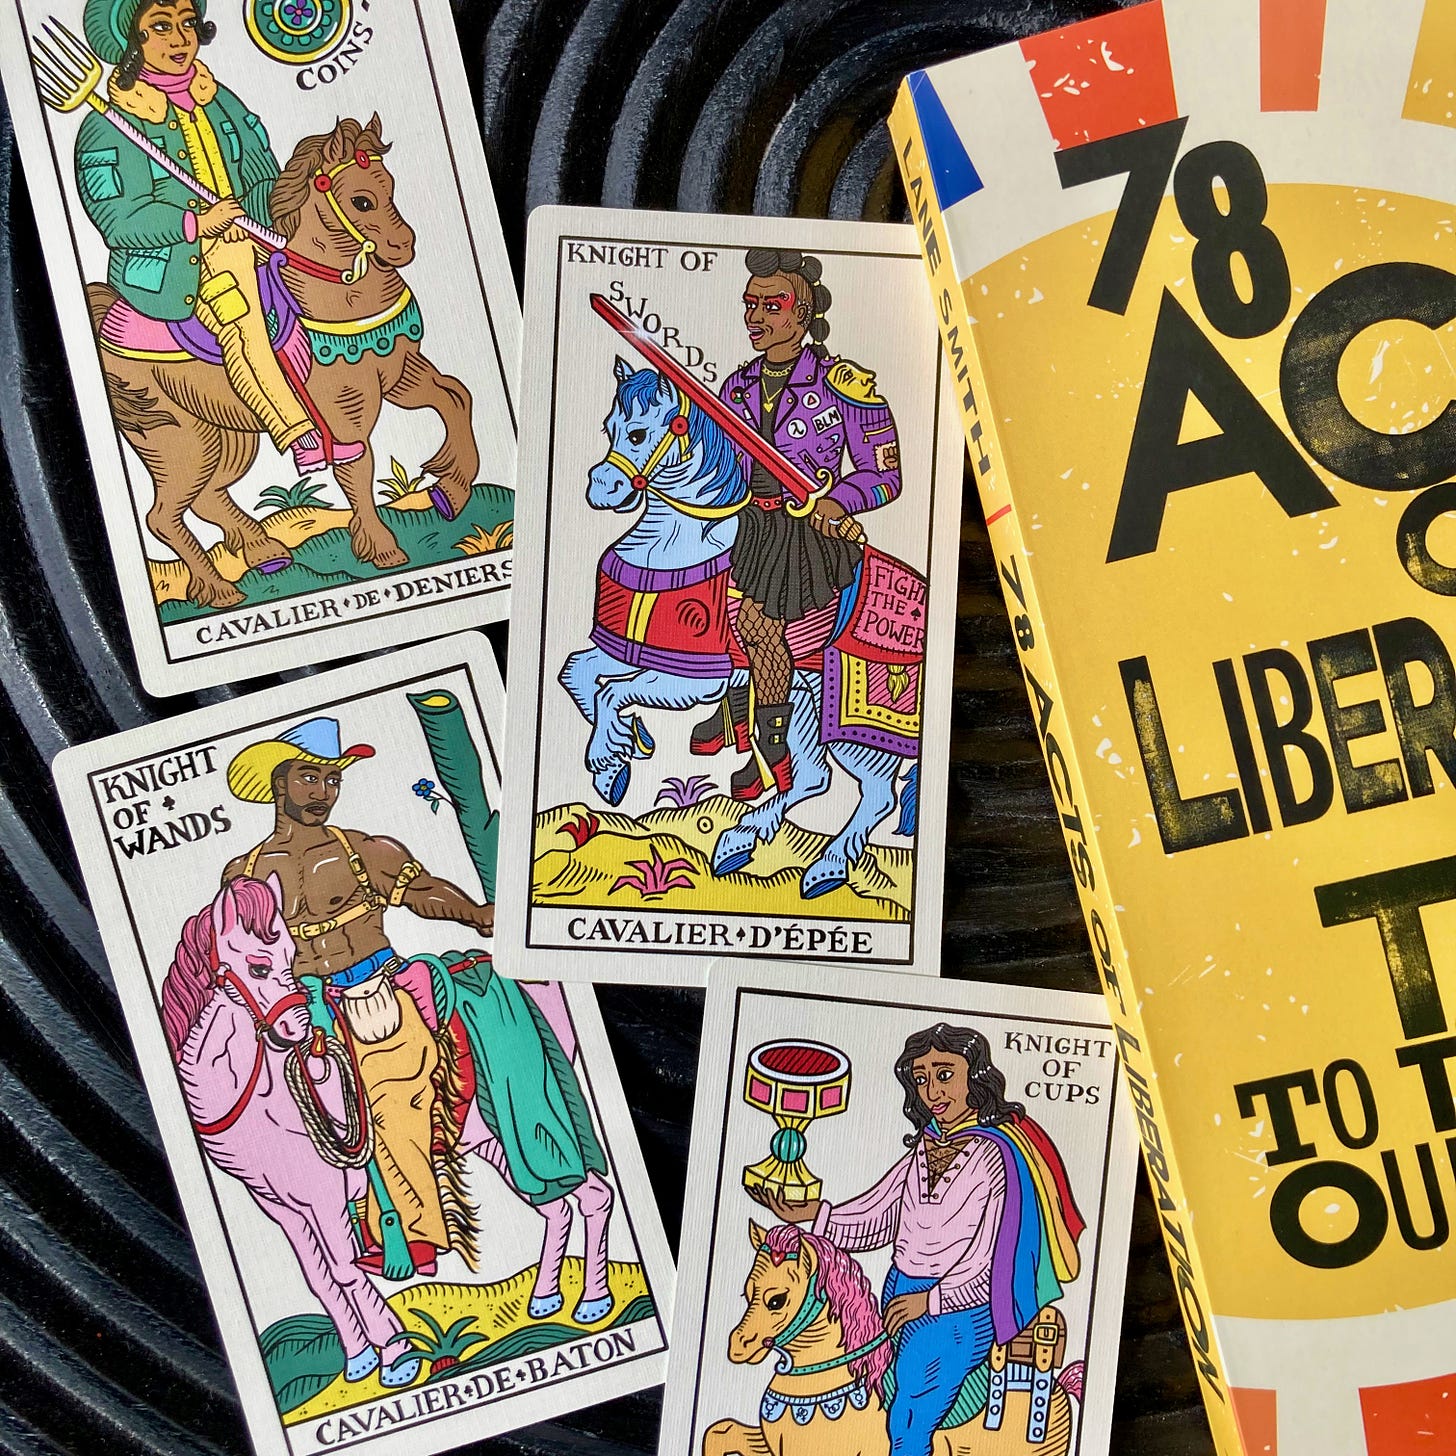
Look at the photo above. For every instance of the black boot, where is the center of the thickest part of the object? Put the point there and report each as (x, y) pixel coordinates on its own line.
(727, 724)
(773, 748)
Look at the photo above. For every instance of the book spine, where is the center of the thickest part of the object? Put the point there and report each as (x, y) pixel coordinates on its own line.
(1058, 746)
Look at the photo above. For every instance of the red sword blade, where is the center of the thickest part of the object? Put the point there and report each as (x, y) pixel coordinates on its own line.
(739, 431)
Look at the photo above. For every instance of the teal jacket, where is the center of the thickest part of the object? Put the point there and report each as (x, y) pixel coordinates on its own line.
(140, 210)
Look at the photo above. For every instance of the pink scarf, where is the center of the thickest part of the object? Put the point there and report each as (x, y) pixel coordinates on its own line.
(177, 89)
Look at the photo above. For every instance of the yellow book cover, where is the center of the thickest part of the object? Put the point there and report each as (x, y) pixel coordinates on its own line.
(1195, 266)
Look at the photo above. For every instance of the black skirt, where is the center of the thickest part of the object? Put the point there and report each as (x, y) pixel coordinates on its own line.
(782, 563)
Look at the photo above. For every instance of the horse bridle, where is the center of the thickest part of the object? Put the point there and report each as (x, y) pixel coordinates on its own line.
(263, 1023)
(814, 1303)
(641, 479)
(323, 181)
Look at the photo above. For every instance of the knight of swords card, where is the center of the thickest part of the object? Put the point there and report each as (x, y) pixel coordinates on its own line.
(288, 314)
(732, 635)
(908, 1209)
(417, 1199)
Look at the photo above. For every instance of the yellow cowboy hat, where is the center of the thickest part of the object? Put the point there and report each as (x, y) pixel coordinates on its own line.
(250, 774)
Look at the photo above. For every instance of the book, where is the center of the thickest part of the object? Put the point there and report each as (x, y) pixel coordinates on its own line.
(1193, 271)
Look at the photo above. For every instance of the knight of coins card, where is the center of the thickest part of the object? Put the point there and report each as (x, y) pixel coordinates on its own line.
(732, 638)
(288, 314)
(413, 1184)
(909, 1206)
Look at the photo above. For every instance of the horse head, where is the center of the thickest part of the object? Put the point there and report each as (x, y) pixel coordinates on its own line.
(252, 955)
(782, 1278)
(336, 198)
(660, 444)
(798, 1279)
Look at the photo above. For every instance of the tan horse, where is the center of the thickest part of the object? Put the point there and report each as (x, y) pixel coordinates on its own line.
(197, 438)
(825, 1398)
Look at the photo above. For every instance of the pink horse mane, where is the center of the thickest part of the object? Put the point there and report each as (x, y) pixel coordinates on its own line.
(190, 982)
(851, 1299)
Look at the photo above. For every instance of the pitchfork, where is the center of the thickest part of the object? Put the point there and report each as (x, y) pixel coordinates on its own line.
(67, 75)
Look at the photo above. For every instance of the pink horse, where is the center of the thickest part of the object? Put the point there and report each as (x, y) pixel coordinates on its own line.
(233, 1014)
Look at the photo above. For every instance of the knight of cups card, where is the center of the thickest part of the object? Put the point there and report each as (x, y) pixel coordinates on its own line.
(288, 314)
(417, 1199)
(732, 631)
(908, 1209)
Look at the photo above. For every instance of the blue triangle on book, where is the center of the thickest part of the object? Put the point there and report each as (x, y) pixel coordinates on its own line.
(950, 165)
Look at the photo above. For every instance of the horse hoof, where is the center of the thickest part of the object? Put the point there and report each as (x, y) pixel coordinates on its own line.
(543, 1306)
(366, 1362)
(401, 1371)
(441, 503)
(278, 563)
(813, 885)
(732, 852)
(730, 864)
(589, 1311)
(643, 743)
(611, 784)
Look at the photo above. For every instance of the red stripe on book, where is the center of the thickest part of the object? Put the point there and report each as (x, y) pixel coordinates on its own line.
(1291, 53)
(1419, 1415)
(1257, 1415)
(1105, 76)
(996, 515)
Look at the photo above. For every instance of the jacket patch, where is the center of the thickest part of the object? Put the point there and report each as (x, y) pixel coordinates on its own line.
(887, 456)
(827, 420)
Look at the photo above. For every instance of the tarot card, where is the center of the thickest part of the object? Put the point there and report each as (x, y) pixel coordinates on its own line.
(731, 655)
(908, 1212)
(288, 314)
(414, 1187)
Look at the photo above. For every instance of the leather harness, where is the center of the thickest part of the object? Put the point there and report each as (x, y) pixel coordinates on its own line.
(370, 898)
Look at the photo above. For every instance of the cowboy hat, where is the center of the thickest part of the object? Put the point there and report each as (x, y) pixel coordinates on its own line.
(108, 24)
(250, 774)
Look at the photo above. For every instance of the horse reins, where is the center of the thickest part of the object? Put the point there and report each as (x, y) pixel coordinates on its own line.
(814, 1303)
(263, 1023)
(640, 479)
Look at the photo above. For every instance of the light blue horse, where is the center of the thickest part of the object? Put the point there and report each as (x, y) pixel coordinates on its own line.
(670, 462)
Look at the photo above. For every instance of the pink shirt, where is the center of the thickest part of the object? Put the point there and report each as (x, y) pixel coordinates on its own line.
(947, 1235)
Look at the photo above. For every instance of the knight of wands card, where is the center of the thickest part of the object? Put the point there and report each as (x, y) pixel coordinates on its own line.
(908, 1209)
(732, 629)
(288, 314)
(416, 1195)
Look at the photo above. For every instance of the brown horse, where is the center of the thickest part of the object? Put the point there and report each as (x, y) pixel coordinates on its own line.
(197, 438)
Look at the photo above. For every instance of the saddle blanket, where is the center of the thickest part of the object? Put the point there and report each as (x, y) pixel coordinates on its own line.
(666, 621)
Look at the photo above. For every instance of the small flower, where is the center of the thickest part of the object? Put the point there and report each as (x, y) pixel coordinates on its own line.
(424, 787)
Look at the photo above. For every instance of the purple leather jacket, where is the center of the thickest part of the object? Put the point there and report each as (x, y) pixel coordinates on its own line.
(829, 407)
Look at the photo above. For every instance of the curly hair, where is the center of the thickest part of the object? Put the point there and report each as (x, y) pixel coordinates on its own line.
(987, 1085)
(129, 67)
(804, 272)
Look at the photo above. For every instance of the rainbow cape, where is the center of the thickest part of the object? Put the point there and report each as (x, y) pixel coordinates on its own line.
(1035, 1251)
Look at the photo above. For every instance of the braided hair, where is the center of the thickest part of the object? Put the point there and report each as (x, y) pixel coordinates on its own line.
(987, 1085)
(804, 272)
(129, 67)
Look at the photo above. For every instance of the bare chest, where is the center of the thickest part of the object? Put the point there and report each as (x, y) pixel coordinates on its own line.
(317, 879)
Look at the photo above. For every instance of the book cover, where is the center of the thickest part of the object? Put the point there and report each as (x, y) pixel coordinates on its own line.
(1195, 271)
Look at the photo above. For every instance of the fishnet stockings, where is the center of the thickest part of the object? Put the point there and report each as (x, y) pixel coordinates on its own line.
(769, 663)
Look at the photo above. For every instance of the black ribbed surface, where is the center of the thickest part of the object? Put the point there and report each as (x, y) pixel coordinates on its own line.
(769, 106)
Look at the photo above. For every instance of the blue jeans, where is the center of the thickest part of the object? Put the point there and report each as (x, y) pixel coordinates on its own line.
(933, 1356)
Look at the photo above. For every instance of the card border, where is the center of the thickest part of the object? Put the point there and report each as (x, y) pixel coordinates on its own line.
(162, 673)
(608, 963)
(75, 769)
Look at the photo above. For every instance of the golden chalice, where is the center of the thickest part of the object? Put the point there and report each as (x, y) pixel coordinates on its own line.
(795, 1082)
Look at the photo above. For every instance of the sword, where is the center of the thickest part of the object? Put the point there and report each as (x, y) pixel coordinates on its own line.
(67, 75)
(804, 491)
